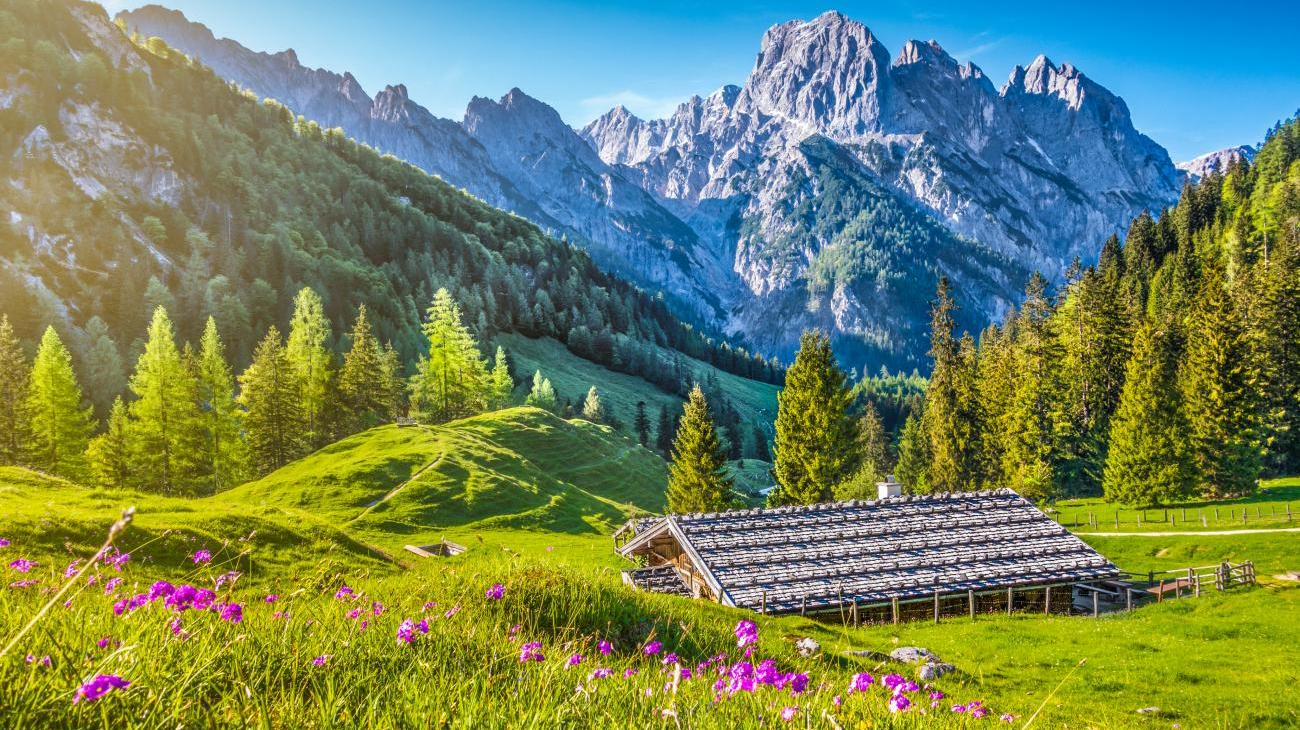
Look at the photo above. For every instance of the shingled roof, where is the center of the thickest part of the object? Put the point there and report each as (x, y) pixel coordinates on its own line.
(807, 557)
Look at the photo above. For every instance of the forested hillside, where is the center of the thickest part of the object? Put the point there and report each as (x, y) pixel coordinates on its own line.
(138, 179)
(1169, 369)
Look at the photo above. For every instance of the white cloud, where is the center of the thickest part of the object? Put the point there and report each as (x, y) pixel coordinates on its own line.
(646, 107)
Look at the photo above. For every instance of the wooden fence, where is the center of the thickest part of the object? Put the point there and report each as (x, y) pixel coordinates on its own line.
(1238, 515)
(1192, 581)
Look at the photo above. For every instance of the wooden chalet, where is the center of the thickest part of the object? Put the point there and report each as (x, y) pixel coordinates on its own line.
(981, 549)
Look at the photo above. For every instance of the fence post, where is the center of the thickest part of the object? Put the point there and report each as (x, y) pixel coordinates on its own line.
(1010, 600)
(1204, 522)
(1151, 576)
(893, 602)
(970, 598)
(1160, 597)
(1096, 603)
(936, 605)
(803, 605)
(1216, 514)
(1197, 586)
(1116, 519)
(1047, 600)
(1140, 518)
(841, 599)
(856, 623)
(1128, 599)
(764, 611)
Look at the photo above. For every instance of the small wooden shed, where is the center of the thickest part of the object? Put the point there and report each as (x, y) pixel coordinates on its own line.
(867, 554)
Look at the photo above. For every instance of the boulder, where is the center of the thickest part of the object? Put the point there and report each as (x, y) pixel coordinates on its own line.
(913, 655)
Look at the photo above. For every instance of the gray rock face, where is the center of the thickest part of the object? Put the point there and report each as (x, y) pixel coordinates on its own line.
(790, 201)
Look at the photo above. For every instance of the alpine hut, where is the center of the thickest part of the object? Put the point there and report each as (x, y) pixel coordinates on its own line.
(971, 551)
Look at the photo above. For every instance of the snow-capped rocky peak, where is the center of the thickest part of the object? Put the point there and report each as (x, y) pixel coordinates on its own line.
(1217, 161)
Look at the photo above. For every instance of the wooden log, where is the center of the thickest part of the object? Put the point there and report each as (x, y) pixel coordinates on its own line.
(970, 600)
(893, 602)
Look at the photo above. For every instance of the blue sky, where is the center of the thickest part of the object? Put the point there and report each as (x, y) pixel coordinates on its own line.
(1197, 76)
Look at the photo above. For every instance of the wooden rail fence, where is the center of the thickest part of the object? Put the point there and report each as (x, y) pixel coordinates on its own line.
(1236, 515)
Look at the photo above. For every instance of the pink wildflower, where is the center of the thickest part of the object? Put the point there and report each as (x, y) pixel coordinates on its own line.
(653, 648)
(22, 565)
(496, 592)
(600, 673)
(321, 660)
(531, 652)
(201, 556)
(271, 598)
(605, 648)
(788, 713)
(746, 633)
(344, 593)
(99, 686)
(574, 660)
(629, 673)
(899, 703)
(861, 682)
(71, 570)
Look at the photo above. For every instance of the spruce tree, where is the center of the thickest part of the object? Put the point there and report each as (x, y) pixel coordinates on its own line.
(761, 452)
(392, 383)
(269, 391)
(361, 382)
(109, 453)
(1279, 355)
(1147, 462)
(1033, 423)
(814, 448)
(952, 422)
(309, 354)
(697, 477)
(913, 467)
(542, 394)
(14, 378)
(1218, 385)
(592, 410)
(225, 457)
(666, 433)
(503, 386)
(452, 381)
(641, 424)
(105, 377)
(60, 426)
(162, 410)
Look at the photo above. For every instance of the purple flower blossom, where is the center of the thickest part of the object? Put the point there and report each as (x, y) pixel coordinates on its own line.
(531, 652)
(653, 648)
(766, 673)
(837, 700)
(600, 673)
(788, 713)
(670, 658)
(452, 611)
(574, 660)
(321, 660)
(353, 614)
(71, 570)
(892, 681)
(798, 683)
(44, 661)
(629, 673)
(24, 583)
(4, 543)
(406, 632)
(937, 695)
(959, 708)
(201, 556)
(228, 577)
(99, 686)
(1008, 717)
(176, 627)
(344, 593)
(232, 612)
(513, 633)
(110, 586)
(746, 633)
(22, 565)
(496, 592)
(605, 648)
(377, 608)
(978, 711)
(104, 642)
(117, 559)
(271, 598)
(429, 606)
(899, 703)
(861, 682)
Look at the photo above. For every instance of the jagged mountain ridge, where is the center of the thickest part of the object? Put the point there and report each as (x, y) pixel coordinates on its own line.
(723, 207)
(1217, 161)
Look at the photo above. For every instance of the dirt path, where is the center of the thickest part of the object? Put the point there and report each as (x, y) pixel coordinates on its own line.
(393, 492)
(1197, 533)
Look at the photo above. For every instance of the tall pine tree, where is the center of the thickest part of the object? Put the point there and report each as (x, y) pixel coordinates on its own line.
(815, 448)
(269, 391)
(109, 453)
(1147, 462)
(224, 462)
(502, 386)
(60, 426)
(162, 411)
(14, 378)
(952, 422)
(1033, 423)
(363, 397)
(452, 381)
(641, 424)
(542, 394)
(697, 477)
(309, 354)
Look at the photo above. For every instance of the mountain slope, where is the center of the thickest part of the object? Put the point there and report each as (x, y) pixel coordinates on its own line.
(1217, 161)
(520, 468)
(138, 178)
(1035, 173)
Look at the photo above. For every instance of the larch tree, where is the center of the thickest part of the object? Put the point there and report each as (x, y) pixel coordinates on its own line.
(1279, 355)
(452, 380)
(1147, 463)
(269, 391)
(697, 477)
(1218, 383)
(542, 394)
(109, 453)
(309, 354)
(503, 386)
(162, 410)
(592, 410)
(60, 425)
(362, 391)
(814, 448)
(14, 377)
(225, 456)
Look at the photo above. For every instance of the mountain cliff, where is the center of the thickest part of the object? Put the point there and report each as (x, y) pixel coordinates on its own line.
(831, 189)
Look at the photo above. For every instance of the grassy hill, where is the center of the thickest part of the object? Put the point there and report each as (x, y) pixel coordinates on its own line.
(572, 376)
(517, 468)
